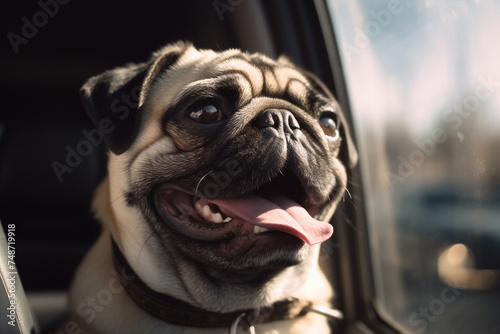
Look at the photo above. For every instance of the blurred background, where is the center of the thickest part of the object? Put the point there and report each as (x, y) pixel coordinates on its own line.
(424, 88)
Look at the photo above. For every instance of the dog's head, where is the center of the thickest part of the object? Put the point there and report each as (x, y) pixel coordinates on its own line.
(220, 159)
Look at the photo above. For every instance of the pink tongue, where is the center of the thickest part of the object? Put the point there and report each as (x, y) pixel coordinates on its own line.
(278, 213)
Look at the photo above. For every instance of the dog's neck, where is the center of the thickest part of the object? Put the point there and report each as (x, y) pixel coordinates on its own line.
(179, 312)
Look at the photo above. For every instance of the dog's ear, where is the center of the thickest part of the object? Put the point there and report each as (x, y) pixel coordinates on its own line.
(348, 150)
(114, 98)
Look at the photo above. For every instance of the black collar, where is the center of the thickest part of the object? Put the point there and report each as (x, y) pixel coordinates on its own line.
(178, 312)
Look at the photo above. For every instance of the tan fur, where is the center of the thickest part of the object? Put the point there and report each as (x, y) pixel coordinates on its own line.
(122, 315)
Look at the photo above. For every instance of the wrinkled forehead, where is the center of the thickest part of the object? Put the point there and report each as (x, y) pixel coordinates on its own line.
(245, 75)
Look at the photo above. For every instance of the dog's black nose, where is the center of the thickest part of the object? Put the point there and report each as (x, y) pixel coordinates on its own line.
(283, 121)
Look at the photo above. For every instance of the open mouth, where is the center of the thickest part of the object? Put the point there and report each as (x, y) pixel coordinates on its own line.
(278, 205)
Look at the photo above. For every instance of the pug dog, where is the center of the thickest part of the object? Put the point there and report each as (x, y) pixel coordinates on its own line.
(224, 169)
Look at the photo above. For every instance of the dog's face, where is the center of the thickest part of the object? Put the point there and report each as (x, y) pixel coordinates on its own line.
(219, 161)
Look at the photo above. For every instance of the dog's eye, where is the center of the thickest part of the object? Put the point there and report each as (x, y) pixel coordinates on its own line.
(207, 114)
(328, 122)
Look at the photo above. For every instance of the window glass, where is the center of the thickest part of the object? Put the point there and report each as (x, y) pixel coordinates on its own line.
(424, 87)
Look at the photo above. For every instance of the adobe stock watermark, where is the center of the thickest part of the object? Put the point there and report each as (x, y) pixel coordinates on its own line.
(30, 27)
(89, 308)
(223, 6)
(372, 29)
(436, 307)
(212, 183)
(453, 117)
(122, 108)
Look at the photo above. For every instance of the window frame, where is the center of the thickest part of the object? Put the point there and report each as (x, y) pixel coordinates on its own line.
(352, 261)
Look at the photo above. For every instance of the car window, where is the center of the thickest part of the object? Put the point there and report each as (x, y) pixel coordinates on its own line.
(424, 87)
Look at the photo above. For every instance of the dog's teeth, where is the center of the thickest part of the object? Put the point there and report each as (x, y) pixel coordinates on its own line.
(259, 229)
(217, 217)
(228, 219)
(206, 211)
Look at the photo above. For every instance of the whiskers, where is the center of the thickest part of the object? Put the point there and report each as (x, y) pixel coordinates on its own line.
(343, 186)
(144, 245)
(200, 181)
